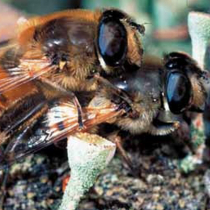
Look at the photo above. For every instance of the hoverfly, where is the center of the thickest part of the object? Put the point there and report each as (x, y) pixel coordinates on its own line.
(162, 90)
(72, 46)
(53, 57)
(65, 50)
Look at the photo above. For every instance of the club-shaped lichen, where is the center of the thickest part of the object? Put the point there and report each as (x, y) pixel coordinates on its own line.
(199, 30)
(88, 155)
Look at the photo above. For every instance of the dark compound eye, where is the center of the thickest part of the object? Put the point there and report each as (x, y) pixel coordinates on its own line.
(176, 63)
(178, 91)
(112, 41)
(172, 64)
(176, 60)
(114, 13)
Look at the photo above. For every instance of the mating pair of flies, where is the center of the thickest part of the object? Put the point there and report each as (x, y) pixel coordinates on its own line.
(73, 70)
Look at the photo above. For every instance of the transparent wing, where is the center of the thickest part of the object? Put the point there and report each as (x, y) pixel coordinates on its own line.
(60, 121)
(17, 68)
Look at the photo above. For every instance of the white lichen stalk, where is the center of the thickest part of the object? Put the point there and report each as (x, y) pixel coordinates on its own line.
(199, 29)
(88, 155)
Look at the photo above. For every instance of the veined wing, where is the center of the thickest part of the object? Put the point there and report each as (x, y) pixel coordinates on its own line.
(18, 67)
(60, 121)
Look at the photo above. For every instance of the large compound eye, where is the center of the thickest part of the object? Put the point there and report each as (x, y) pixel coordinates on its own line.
(178, 91)
(112, 41)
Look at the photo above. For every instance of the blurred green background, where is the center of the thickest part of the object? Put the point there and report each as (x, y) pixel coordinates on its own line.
(165, 20)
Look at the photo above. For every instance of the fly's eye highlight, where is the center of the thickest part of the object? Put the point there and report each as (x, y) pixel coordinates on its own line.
(178, 91)
(112, 41)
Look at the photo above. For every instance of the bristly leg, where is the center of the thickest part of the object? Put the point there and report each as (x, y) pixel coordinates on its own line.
(117, 139)
(115, 90)
(80, 113)
(68, 94)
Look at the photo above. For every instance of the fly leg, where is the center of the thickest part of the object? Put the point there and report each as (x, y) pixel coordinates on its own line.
(79, 111)
(118, 139)
(64, 92)
(114, 90)
(123, 153)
